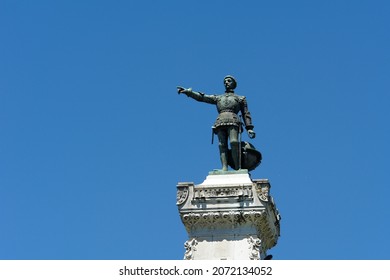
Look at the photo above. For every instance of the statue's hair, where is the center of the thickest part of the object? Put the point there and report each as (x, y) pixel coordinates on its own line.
(234, 80)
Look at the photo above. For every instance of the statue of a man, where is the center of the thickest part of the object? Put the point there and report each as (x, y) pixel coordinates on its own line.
(228, 124)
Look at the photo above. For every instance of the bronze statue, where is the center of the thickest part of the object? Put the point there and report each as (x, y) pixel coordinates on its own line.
(228, 125)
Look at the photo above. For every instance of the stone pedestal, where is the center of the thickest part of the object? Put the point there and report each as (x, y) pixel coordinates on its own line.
(228, 217)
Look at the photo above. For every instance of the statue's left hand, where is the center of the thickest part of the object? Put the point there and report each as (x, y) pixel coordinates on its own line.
(251, 134)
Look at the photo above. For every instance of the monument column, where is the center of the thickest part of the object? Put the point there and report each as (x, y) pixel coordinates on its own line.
(229, 216)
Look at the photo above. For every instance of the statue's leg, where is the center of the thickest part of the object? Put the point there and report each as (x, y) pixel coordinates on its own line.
(234, 145)
(223, 147)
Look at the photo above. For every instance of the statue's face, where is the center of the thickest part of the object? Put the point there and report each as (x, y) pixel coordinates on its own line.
(229, 83)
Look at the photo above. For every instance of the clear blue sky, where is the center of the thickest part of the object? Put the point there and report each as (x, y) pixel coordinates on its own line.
(94, 137)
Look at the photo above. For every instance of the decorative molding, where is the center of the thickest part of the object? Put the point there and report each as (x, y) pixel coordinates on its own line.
(214, 192)
(254, 216)
(217, 218)
(190, 247)
(211, 218)
(266, 225)
(190, 219)
(232, 217)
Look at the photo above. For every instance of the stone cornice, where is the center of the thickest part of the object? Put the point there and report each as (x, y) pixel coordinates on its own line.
(260, 220)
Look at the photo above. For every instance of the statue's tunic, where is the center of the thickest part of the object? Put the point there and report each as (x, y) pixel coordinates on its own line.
(228, 106)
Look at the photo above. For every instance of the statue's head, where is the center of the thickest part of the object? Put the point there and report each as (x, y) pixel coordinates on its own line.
(229, 82)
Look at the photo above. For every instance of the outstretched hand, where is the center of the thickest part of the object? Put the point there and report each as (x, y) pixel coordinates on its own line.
(183, 90)
(251, 134)
(180, 89)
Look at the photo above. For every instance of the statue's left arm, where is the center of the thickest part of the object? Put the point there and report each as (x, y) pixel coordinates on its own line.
(246, 115)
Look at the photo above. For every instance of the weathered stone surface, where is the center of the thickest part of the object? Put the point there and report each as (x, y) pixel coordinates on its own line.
(228, 216)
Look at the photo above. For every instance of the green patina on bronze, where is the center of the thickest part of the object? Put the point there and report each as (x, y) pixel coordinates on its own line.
(228, 126)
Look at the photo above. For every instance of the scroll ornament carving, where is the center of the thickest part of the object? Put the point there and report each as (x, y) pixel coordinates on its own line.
(190, 247)
(211, 218)
(263, 193)
(228, 218)
(267, 230)
(190, 219)
(231, 216)
(255, 217)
